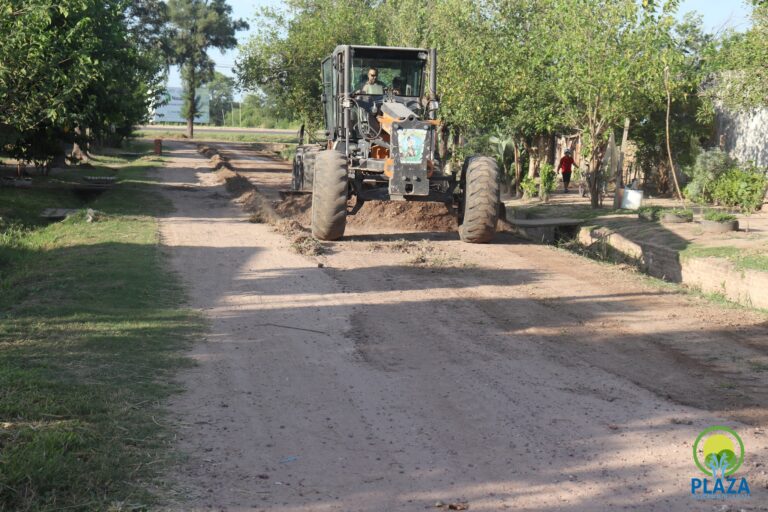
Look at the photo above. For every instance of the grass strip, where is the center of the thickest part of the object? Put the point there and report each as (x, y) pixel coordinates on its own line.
(743, 259)
(92, 328)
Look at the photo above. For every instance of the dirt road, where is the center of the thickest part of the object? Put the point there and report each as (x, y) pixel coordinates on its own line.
(415, 372)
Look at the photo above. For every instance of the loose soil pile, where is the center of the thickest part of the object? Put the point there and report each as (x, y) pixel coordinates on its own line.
(401, 216)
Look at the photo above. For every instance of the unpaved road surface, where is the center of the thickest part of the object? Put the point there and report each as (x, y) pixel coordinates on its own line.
(415, 372)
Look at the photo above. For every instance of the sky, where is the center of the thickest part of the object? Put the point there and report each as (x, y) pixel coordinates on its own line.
(717, 15)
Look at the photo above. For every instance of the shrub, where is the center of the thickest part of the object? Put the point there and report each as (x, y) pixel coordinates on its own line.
(681, 212)
(288, 153)
(650, 212)
(529, 186)
(704, 173)
(548, 179)
(717, 216)
(743, 187)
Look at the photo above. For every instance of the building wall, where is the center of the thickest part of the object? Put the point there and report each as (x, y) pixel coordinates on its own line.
(744, 136)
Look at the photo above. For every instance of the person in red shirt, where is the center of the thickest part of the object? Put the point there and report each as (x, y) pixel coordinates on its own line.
(566, 165)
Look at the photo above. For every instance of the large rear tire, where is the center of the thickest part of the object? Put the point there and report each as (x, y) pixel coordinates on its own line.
(329, 195)
(479, 207)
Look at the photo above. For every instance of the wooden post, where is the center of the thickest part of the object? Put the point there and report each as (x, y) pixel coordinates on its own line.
(620, 167)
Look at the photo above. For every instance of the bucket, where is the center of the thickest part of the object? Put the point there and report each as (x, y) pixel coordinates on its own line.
(631, 199)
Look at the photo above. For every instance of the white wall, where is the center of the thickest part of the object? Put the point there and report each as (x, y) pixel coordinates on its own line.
(745, 136)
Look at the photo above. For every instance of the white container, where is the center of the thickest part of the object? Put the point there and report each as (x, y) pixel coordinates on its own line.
(631, 199)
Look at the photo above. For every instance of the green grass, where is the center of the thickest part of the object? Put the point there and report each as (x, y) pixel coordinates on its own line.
(91, 331)
(288, 153)
(215, 135)
(752, 259)
(718, 216)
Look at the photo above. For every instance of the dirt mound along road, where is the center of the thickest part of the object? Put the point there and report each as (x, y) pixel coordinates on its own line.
(509, 376)
(396, 216)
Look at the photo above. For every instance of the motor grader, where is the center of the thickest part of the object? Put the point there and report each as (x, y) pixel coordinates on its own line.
(382, 137)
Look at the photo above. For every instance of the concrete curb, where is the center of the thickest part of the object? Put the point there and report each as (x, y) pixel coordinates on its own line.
(709, 275)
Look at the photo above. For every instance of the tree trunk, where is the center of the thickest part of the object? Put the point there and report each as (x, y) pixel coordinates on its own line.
(77, 152)
(533, 159)
(620, 167)
(191, 92)
(594, 192)
(191, 122)
(442, 147)
(60, 159)
(669, 146)
(518, 170)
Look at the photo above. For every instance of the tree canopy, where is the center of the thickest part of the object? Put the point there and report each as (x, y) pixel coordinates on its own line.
(742, 65)
(284, 56)
(67, 65)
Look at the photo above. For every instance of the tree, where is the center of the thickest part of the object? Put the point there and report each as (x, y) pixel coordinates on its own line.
(66, 66)
(196, 27)
(668, 135)
(283, 58)
(222, 90)
(490, 76)
(742, 65)
(528, 100)
(601, 70)
(45, 63)
(132, 70)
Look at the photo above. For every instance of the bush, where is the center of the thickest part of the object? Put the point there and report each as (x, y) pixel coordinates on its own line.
(717, 216)
(717, 178)
(529, 186)
(681, 212)
(741, 187)
(705, 172)
(288, 153)
(548, 179)
(650, 212)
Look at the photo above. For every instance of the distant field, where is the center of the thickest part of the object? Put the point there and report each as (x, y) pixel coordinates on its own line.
(202, 135)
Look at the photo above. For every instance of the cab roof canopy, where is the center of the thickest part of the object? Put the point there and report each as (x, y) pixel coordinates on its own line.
(384, 52)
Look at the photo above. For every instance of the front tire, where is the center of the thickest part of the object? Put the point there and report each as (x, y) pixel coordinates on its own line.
(479, 208)
(329, 195)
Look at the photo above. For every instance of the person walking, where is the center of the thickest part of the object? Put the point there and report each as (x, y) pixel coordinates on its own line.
(566, 166)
